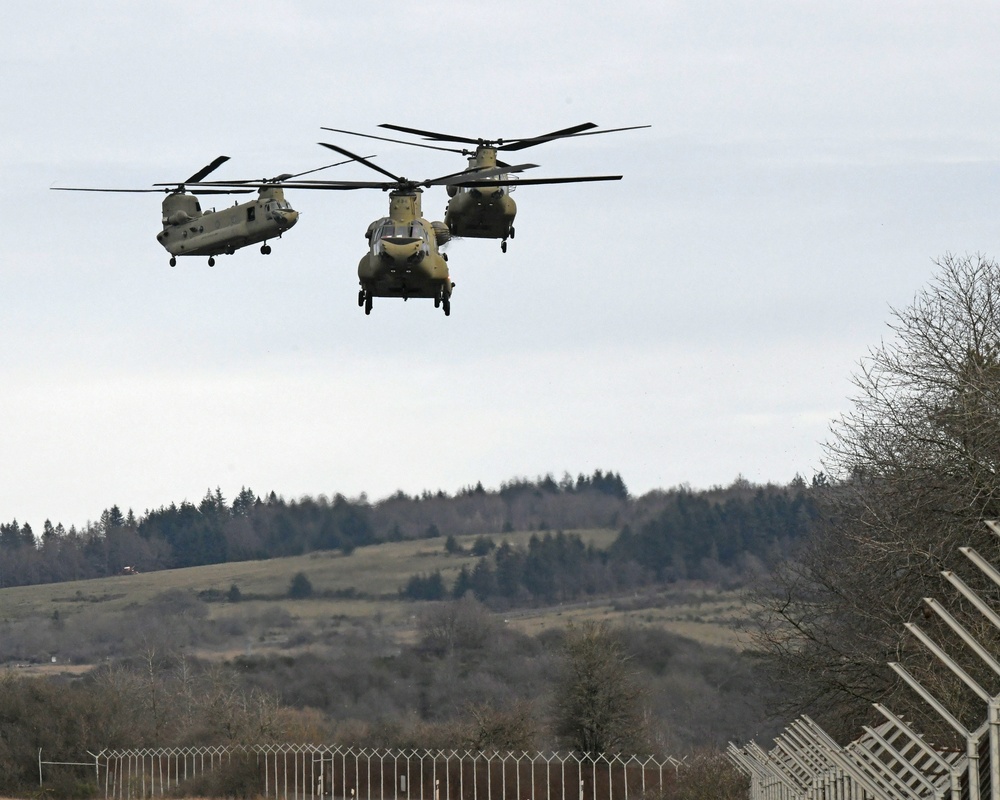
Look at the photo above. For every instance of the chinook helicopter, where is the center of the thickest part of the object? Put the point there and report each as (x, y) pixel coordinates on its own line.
(190, 231)
(404, 259)
(486, 211)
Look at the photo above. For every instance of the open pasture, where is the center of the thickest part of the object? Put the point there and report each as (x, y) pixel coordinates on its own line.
(350, 592)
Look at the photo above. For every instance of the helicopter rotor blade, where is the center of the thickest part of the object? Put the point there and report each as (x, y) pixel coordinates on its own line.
(220, 191)
(284, 178)
(509, 143)
(484, 175)
(611, 130)
(537, 181)
(397, 141)
(343, 186)
(246, 186)
(362, 160)
(441, 137)
(563, 135)
(82, 189)
(531, 141)
(168, 190)
(205, 187)
(206, 170)
(277, 179)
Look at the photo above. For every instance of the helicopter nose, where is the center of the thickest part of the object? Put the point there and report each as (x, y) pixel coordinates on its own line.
(401, 249)
(285, 218)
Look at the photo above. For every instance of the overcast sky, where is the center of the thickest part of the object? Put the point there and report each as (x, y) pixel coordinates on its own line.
(698, 320)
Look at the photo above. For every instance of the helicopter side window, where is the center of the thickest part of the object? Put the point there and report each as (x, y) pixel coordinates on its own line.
(251, 213)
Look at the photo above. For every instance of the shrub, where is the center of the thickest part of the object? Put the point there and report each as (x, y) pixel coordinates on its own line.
(300, 587)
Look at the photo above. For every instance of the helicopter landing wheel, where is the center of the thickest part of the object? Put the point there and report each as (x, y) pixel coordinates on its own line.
(173, 261)
(446, 304)
(503, 246)
(361, 297)
(368, 304)
(512, 232)
(265, 249)
(211, 261)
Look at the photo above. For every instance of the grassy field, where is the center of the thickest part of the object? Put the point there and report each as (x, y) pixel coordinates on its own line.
(362, 589)
(704, 614)
(375, 573)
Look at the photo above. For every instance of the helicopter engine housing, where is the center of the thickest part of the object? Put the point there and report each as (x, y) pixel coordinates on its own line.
(441, 232)
(180, 208)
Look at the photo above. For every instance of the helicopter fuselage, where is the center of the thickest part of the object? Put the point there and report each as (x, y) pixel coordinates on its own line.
(481, 212)
(189, 231)
(403, 258)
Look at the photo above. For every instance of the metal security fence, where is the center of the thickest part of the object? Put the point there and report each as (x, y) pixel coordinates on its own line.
(892, 761)
(313, 772)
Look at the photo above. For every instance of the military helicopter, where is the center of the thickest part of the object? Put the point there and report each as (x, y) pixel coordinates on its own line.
(190, 231)
(404, 259)
(486, 211)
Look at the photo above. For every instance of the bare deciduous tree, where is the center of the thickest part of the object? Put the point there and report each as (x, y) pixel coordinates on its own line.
(462, 628)
(915, 467)
(598, 702)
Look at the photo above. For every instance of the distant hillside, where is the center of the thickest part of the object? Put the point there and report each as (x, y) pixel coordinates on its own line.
(663, 536)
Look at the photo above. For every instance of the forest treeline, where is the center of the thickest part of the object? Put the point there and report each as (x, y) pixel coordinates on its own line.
(664, 535)
(705, 536)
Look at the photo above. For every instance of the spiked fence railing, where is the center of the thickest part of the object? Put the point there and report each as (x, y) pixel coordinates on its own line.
(313, 772)
(891, 761)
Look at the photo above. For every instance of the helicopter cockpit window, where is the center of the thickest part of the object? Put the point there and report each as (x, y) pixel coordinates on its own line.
(394, 230)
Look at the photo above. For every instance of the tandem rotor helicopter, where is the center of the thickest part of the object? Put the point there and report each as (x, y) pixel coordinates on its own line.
(403, 258)
(190, 231)
(487, 211)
